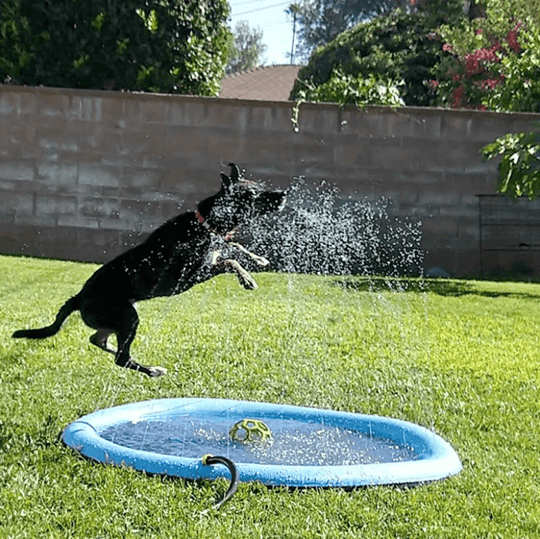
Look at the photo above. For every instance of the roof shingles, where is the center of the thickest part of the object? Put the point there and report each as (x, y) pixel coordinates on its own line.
(268, 83)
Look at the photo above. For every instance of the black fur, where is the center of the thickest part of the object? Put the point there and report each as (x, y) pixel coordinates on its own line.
(189, 249)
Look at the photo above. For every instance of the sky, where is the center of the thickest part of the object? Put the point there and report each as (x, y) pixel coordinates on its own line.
(270, 17)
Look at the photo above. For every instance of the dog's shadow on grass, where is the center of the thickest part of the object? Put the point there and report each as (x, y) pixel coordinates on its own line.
(441, 287)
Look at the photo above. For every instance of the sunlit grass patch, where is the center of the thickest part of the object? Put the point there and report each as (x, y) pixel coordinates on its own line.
(460, 357)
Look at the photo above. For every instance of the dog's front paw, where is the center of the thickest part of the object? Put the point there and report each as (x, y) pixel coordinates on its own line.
(247, 281)
(261, 260)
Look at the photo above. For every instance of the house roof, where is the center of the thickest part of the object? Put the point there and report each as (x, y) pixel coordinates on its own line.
(268, 83)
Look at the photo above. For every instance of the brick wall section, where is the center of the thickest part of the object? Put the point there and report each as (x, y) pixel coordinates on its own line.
(85, 174)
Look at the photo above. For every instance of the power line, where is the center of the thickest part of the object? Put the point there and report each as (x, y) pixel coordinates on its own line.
(261, 9)
(247, 2)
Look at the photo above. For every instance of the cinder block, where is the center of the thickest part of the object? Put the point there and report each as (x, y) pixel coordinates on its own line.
(143, 179)
(234, 115)
(64, 174)
(153, 111)
(59, 142)
(13, 203)
(133, 143)
(469, 184)
(352, 150)
(53, 105)
(78, 221)
(468, 231)
(98, 176)
(318, 119)
(178, 113)
(112, 110)
(87, 108)
(48, 205)
(8, 103)
(27, 105)
(98, 207)
(439, 199)
(114, 223)
(100, 238)
(397, 158)
(456, 126)
(16, 170)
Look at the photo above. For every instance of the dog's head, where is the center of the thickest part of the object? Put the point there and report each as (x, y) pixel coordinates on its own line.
(238, 202)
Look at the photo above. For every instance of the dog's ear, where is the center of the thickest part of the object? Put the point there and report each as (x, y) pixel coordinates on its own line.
(235, 173)
(225, 181)
(235, 177)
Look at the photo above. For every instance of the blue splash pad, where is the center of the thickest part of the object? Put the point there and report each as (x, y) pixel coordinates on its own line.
(310, 447)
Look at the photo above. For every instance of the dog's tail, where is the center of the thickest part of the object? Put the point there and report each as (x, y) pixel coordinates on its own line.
(70, 306)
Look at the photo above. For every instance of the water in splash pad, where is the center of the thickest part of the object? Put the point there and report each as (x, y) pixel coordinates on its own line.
(293, 442)
(308, 448)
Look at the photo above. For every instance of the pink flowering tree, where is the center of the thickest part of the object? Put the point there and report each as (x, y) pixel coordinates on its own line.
(503, 75)
(493, 63)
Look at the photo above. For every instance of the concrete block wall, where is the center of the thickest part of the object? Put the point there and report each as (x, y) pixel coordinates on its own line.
(86, 174)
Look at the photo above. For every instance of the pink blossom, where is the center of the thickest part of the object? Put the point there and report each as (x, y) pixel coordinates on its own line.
(512, 41)
(489, 84)
(472, 65)
(457, 97)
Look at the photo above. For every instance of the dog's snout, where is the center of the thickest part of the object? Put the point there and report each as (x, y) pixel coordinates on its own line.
(283, 200)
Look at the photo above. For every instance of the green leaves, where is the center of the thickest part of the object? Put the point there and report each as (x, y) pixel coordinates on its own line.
(346, 89)
(395, 50)
(115, 44)
(150, 19)
(519, 168)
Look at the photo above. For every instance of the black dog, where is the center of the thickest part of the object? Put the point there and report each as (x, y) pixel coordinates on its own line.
(189, 249)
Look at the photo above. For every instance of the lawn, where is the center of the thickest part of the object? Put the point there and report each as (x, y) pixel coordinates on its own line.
(459, 357)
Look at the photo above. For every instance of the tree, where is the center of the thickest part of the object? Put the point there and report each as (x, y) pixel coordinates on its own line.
(395, 53)
(320, 21)
(493, 61)
(176, 46)
(247, 49)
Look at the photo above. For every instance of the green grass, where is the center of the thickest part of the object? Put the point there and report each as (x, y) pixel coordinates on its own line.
(460, 357)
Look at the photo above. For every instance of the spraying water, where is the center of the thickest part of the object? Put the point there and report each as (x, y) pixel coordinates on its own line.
(324, 234)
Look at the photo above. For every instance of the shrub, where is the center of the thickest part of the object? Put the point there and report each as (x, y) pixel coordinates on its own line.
(397, 52)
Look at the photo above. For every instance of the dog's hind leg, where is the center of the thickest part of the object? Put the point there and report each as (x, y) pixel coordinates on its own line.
(99, 339)
(122, 320)
(125, 334)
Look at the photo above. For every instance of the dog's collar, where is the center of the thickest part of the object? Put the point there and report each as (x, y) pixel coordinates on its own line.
(202, 220)
(206, 225)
